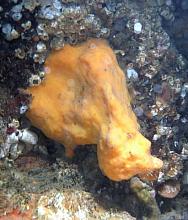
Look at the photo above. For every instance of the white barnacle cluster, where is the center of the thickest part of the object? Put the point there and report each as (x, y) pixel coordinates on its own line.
(131, 72)
(50, 9)
(16, 142)
(9, 32)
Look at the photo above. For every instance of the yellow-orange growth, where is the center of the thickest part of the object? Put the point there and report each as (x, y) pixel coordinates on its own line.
(84, 100)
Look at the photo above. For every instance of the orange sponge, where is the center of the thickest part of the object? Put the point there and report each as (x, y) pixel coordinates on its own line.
(84, 100)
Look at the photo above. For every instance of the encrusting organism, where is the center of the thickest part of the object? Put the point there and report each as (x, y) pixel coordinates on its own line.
(84, 100)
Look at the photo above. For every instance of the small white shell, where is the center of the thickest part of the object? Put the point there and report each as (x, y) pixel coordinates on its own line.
(4, 149)
(16, 150)
(23, 109)
(12, 138)
(131, 73)
(41, 47)
(28, 137)
(137, 28)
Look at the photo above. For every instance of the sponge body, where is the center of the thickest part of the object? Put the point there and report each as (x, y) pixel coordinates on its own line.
(84, 100)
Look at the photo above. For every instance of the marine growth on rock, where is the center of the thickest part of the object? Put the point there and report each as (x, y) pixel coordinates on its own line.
(84, 100)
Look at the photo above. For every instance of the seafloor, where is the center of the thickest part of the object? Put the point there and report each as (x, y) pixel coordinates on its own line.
(150, 39)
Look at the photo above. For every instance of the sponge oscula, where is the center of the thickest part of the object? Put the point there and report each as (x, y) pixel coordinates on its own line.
(84, 100)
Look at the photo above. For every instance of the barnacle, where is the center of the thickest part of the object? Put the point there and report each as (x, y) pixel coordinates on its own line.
(84, 100)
